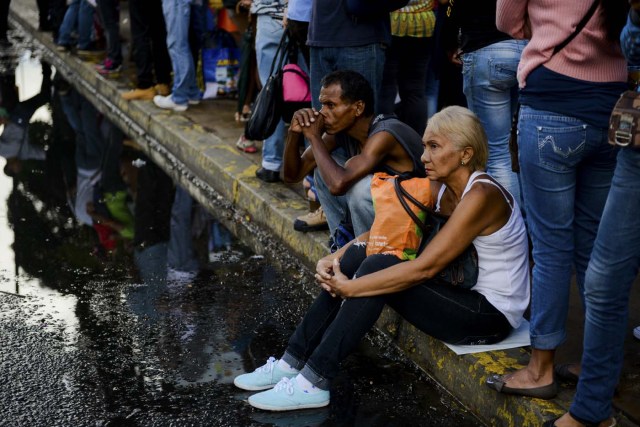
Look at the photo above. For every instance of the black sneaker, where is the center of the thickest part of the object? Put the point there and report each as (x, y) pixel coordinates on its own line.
(267, 175)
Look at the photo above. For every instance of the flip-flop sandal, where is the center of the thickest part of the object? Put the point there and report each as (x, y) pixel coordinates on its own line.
(309, 185)
(246, 145)
(312, 195)
(545, 392)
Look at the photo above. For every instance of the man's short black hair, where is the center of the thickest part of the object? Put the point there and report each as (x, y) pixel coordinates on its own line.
(354, 88)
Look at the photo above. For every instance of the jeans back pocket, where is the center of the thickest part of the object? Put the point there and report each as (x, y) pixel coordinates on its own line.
(503, 72)
(560, 148)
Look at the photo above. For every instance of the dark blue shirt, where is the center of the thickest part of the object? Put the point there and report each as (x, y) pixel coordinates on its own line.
(590, 102)
(332, 26)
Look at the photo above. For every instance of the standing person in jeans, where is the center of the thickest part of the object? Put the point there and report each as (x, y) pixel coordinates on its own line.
(77, 19)
(612, 270)
(149, 44)
(177, 16)
(489, 64)
(566, 163)
(182, 262)
(90, 148)
(339, 41)
(110, 14)
(355, 290)
(269, 30)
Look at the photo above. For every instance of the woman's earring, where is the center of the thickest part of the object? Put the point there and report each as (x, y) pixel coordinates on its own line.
(462, 162)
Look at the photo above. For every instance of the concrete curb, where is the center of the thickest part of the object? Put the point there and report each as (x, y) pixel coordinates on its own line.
(222, 179)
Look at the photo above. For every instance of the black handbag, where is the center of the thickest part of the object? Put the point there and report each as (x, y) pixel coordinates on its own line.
(268, 104)
(462, 271)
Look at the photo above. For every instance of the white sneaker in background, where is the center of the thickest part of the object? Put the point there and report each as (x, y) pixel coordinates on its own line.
(167, 103)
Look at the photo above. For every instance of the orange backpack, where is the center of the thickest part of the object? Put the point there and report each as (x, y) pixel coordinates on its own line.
(393, 231)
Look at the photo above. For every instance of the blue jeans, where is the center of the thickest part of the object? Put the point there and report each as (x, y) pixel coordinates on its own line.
(177, 14)
(367, 60)
(181, 255)
(357, 200)
(83, 119)
(491, 89)
(78, 17)
(612, 270)
(333, 327)
(268, 34)
(566, 168)
(151, 262)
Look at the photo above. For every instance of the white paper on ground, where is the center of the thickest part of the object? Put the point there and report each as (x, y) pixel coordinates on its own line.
(518, 338)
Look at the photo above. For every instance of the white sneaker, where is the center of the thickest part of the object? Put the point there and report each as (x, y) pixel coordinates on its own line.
(167, 103)
(288, 396)
(264, 377)
(636, 332)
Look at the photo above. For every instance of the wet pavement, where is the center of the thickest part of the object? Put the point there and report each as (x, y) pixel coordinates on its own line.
(105, 339)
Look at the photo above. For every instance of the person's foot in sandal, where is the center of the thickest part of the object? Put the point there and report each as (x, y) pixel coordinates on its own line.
(246, 145)
(568, 421)
(524, 383)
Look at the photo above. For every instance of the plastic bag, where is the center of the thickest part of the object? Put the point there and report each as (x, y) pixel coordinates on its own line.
(220, 66)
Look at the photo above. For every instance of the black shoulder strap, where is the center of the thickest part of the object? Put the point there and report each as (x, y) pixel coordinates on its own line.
(402, 194)
(579, 27)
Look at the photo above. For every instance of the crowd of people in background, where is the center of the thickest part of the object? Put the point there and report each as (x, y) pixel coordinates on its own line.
(377, 80)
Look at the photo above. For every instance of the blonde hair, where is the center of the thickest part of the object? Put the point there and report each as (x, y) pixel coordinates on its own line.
(463, 128)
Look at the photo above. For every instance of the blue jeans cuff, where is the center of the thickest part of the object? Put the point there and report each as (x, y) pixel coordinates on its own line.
(549, 341)
(314, 378)
(293, 361)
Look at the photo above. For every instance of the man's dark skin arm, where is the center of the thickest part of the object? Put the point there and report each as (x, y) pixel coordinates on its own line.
(295, 166)
(339, 179)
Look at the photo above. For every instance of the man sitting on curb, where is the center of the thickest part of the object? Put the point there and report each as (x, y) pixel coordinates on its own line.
(347, 145)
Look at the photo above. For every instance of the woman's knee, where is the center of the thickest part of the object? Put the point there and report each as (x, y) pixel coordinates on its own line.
(376, 262)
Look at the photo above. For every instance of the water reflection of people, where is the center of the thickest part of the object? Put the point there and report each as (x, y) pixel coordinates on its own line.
(481, 212)
(15, 144)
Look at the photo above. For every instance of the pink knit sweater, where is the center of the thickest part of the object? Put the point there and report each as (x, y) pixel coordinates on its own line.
(589, 56)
